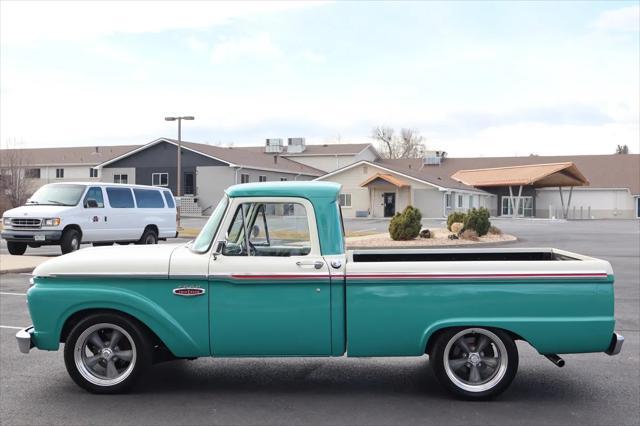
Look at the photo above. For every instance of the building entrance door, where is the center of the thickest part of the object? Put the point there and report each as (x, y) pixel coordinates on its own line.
(389, 204)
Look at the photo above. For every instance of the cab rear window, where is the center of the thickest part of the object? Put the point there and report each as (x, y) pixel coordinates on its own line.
(148, 198)
(120, 198)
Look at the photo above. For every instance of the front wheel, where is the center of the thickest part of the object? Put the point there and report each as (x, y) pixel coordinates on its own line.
(107, 353)
(475, 363)
(70, 241)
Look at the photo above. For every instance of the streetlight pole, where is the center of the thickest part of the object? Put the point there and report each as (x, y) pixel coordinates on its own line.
(179, 158)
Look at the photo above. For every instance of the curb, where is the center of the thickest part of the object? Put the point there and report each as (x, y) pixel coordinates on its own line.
(16, 270)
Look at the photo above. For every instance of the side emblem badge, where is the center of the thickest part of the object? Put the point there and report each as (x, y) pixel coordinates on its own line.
(188, 291)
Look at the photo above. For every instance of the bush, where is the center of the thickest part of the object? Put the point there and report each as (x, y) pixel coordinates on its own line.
(469, 234)
(406, 225)
(454, 218)
(478, 220)
(494, 230)
(457, 227)
(425, 233)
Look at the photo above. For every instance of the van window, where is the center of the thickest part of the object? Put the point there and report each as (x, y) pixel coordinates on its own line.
(148, 199)
(120, 198)
(94, 193)
(169, 198)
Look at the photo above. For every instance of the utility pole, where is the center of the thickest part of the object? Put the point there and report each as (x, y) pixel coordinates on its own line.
(179, 160)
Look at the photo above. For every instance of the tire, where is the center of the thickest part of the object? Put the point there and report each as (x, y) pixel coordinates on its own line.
(70, 241)
(16, 248)
(98, 365)
(471, 373)
(149, 236)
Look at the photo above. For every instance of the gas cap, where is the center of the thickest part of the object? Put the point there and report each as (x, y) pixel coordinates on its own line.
(336, 264)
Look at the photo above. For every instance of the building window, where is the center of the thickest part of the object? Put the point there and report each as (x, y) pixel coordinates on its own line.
(121, 178)
(638, 207)
(459, 201)
(160, 179)
(471, 201)
(283, 179)
(93, 172)
(59, 173)
(447, 200)
(345, 200)
(32, 173)
(524, 210)
(244, 178)
(262, 178)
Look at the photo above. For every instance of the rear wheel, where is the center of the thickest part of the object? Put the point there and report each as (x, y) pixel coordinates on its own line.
(107, 353)
(475, 363)
(149, 236)
(70, 241)
(16, 248)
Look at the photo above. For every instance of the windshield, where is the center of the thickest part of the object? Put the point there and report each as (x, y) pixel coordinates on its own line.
(205, 237)
(57, 195)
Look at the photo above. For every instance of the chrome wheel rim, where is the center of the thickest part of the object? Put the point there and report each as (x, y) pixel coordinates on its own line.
(105, 354)
(475, 360)
(74, 244)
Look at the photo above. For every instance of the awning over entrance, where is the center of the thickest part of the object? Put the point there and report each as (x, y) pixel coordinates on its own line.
(536, 175)
(386, 178)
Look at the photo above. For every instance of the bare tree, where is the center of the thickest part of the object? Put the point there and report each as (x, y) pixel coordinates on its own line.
(14, 186)
(622, 149)
(386, 140)
(409, 144)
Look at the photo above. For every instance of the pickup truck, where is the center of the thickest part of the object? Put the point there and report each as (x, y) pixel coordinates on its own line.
(269, 276)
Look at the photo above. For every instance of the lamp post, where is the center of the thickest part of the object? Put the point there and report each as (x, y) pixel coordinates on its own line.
(179, 159)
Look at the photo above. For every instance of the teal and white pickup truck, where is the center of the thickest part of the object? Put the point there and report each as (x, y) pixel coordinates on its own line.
(269, 276)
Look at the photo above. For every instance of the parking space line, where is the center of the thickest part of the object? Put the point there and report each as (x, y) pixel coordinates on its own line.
(6, 293)
(10, 327)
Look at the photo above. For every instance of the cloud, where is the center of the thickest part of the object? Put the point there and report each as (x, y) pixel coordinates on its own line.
(623, 19)
(196, 45)
(313, 57)
(34, 21)
(258, 46)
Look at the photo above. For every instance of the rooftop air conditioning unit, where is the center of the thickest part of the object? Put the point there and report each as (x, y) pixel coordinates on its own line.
(433, 158)
(274, 146)
(296, 145)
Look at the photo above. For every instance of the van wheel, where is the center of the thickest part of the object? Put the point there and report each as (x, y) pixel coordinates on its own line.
(107, 353)
(475, 363)
(70, 241)
(149, 237)
(16, 248)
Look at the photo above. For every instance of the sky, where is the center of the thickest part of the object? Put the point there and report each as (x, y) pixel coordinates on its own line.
(474, 78)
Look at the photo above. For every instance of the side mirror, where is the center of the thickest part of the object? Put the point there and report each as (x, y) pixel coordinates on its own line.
(91, 203)
(255, 231)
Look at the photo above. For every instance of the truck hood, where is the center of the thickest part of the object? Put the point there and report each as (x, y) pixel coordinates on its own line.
(35, 210)
(144, 261)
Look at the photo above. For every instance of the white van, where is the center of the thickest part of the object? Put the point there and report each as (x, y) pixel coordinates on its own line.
(67, 214)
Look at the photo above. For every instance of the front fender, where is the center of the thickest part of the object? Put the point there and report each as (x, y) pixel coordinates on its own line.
(181, 323)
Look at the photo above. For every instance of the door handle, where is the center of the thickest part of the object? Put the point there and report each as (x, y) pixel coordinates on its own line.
(317, 264)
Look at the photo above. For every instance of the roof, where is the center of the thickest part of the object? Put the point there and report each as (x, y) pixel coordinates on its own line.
(303, 189)
(331, 149)
(88, 155)
(538, 175)
(387, 178)
(602, 171)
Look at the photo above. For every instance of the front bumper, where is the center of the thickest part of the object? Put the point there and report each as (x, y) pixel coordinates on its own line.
(24, 338)
(616, 344)
(31, 236)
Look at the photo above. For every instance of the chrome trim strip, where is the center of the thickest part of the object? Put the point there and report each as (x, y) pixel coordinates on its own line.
(616, 344)
(188, 276)
(23, 337)
(136, 275)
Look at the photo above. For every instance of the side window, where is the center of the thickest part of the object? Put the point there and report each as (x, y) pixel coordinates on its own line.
(169, 198)
(94, 198)
(273, 229)
(148, 198)
(120, 198)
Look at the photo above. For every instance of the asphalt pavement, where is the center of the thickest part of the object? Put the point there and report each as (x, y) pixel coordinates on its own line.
(592, 389)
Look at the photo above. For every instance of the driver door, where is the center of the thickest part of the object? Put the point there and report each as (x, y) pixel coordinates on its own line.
(269, 285)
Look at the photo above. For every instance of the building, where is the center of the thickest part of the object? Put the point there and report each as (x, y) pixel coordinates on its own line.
(380, 188)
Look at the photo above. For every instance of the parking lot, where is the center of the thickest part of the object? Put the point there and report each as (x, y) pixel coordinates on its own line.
(592, 389)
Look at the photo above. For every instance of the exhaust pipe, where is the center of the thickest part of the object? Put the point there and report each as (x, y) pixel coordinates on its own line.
(559, 362)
